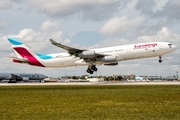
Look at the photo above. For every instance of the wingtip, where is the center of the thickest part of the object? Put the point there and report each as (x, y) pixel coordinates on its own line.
(52, 41)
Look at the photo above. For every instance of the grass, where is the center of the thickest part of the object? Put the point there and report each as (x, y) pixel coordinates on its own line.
(90, 102)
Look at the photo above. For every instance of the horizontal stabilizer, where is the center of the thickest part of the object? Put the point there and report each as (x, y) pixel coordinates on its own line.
(18, 59)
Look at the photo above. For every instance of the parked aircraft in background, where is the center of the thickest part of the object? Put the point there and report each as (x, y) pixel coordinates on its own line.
(89, 57)
(14, 77)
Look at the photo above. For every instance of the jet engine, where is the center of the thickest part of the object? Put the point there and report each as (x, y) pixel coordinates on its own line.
(108, 59)
(25, 78)
(112, 64)
(87, 54)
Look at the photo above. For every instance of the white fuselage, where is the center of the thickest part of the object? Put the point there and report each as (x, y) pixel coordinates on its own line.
(124, 52)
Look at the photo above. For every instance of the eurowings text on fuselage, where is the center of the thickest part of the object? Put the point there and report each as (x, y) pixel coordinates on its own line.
(89, 57)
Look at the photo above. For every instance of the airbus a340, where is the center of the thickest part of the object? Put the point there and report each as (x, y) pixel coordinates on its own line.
(89, 57)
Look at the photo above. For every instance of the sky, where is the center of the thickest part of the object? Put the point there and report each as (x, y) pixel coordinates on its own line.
(90, 24)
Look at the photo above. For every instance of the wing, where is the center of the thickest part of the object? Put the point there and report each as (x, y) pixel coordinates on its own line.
(84, 54)
(14, 76)
(70, 50)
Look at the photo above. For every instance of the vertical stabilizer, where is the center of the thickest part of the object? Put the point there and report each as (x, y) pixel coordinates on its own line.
(24, 53)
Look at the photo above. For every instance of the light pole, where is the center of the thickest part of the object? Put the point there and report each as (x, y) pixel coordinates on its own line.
(177, 76)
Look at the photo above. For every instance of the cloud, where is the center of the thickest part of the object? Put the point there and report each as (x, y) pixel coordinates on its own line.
(38, 41)
(160, 8)
(3, 25)
(159, 5)
(89, 10)
(111, 41)
(86, 9)
(149, 7)
(171, 10)
(121, 25)
(4, 43)
(145, 6)
(49, 26)
(164, 35)
(67, 41)
(5, 4)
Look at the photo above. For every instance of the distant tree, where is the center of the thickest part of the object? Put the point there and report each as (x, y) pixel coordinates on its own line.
(74, 77)
(82, 77)
(105, 78)
(99, 76)
(110, 78)
(119, 78)
(69, 77)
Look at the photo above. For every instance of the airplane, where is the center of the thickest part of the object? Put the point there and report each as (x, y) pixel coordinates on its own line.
(89, 57)
(25, 77)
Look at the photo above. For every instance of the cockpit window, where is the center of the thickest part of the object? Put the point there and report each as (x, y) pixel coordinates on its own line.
(169, 45)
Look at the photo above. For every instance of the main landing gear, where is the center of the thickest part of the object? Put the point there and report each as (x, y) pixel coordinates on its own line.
(91, 69)
(160, 60)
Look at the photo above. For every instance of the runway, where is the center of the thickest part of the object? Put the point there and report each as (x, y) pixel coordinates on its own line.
(93, 83)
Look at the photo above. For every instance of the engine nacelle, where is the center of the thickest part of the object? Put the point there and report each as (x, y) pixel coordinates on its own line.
(112, 64)
(25, 78)
(87, 54)
(108, 59)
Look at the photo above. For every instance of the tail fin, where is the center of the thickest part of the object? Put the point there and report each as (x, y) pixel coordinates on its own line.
(23, 53)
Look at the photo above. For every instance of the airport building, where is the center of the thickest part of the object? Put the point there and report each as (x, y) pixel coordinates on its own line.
(157, 78)
(128, 77)
(95, 79)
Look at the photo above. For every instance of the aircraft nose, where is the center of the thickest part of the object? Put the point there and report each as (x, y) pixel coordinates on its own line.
(174, 47)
